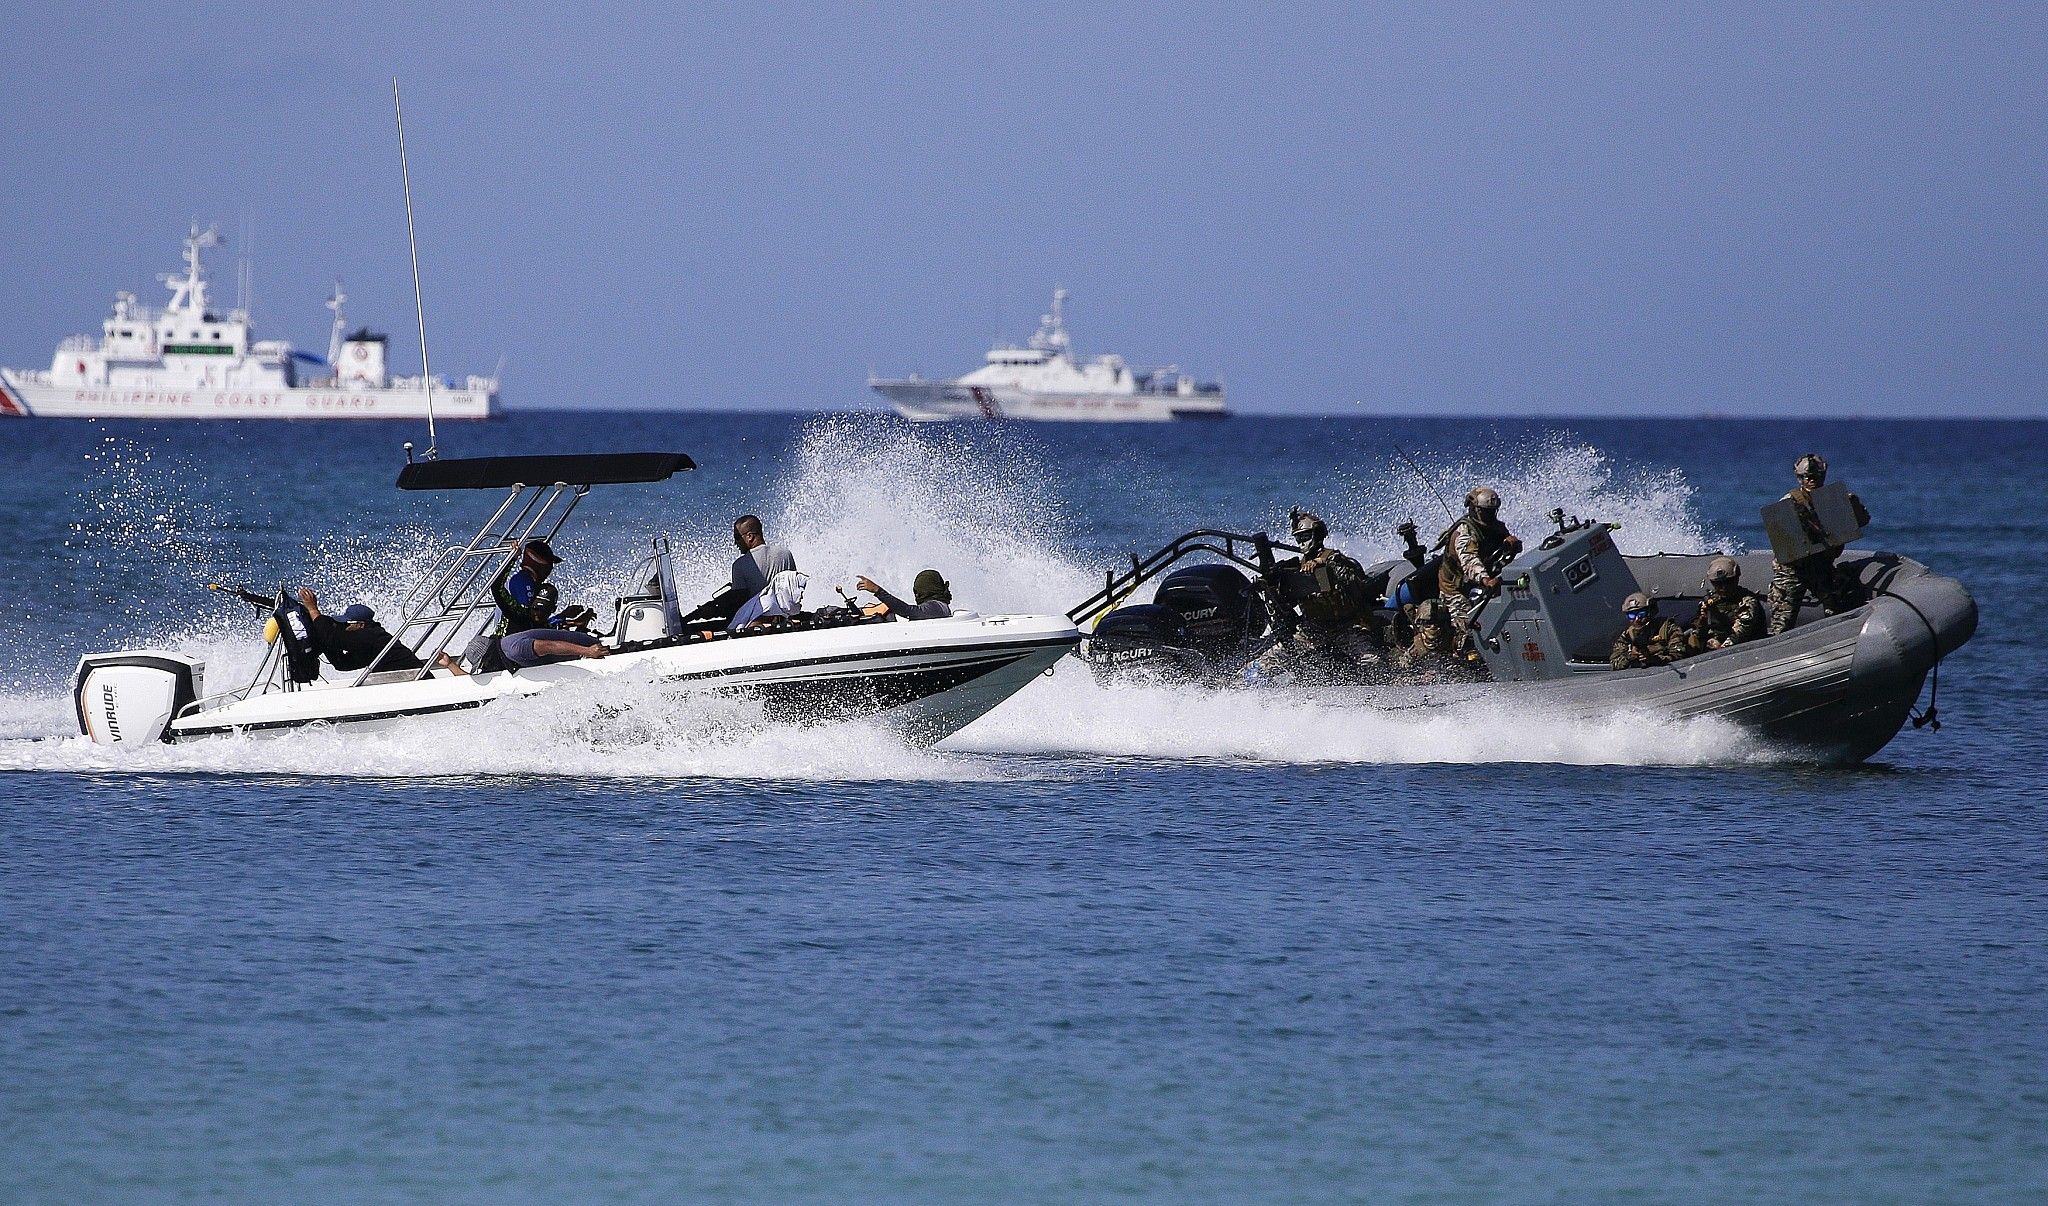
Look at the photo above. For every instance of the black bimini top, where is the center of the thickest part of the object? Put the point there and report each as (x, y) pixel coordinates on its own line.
(504, 472)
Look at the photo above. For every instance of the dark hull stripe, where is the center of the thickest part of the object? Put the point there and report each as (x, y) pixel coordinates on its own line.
(826, 697)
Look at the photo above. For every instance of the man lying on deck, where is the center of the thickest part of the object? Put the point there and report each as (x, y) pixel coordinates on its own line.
(356, 639)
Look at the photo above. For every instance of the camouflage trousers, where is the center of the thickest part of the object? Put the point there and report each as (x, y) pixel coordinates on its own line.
(1322, 655)
(1815, 576)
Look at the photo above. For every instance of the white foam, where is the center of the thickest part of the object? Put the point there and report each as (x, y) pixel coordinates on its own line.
(618, 730)
(1654, 506)
(1071, 713)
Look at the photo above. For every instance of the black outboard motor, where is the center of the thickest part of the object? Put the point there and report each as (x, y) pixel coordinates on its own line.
(1222, 610)
(1145, 638)
(1200, 626)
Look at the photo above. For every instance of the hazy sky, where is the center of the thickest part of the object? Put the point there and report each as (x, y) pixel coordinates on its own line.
(1505, 209)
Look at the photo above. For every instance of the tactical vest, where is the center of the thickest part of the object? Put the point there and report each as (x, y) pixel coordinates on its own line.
(1718, 615)
(1339, 587)
(1489, 538)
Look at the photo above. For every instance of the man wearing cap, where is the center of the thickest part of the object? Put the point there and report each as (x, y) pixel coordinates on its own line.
(1646, 640)
(357, 639)
(933, 594)
(514, 589)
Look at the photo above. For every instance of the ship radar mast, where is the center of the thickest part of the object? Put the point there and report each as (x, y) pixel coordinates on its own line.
(188, 293)
(340, 325)
(1052, 328)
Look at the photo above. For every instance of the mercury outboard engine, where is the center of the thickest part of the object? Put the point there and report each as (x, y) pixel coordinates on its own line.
(1145, 639)
(1221, 609)
(1200, 625)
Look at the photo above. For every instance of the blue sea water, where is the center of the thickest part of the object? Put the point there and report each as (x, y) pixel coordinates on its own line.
(1101, 944)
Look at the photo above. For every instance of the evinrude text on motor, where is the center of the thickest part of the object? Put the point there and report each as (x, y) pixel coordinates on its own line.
(926, 679)
(1836, 688)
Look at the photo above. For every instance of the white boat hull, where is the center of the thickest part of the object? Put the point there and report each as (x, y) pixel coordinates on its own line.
(23, 397)
(927, 679)
(939, 401)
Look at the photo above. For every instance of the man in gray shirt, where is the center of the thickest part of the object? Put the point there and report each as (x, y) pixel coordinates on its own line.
(758, 560)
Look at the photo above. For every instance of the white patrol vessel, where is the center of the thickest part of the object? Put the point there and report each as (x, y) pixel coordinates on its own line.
(1043, 380)
(186, 361)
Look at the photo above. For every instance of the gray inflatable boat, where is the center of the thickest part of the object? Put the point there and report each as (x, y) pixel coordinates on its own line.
(1832, 689)
(1835, 688)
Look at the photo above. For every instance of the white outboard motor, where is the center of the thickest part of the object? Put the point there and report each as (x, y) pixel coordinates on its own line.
(129, 698)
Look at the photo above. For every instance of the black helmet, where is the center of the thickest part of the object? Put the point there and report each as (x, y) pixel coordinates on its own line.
(1482, 498)
(545, 596)
(1812, 466)
(1723, 569)
(1307, 526)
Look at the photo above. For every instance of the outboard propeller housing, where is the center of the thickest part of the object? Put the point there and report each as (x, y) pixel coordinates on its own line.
(131, 698)
(1217, 603)
(1200, 625)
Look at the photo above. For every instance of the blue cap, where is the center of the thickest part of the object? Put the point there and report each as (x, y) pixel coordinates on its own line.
(357, 614)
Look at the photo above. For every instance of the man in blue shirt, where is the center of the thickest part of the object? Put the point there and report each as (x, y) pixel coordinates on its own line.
(514, 590)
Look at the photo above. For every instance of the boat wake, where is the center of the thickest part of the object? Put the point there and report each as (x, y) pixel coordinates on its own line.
(888, 500)
(1072, 714)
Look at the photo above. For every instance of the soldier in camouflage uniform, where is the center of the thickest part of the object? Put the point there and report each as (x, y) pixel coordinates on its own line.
(1335, 600)
(1475, 547)
(1729, 615)
(1647, 640)
(1816, 574)
(1427, 625)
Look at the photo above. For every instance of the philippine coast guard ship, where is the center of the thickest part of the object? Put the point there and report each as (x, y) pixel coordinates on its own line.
(187, 362)
(1042, 380)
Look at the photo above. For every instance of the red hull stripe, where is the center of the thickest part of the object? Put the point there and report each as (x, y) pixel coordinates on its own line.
(10, 404)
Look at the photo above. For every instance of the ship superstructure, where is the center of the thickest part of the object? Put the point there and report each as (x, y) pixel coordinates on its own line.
(1043, 380)
(188, 361)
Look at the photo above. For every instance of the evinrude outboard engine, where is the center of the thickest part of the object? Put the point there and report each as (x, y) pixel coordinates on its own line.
(130, 698)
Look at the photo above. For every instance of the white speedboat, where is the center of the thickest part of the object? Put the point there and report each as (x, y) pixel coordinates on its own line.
(189, 361)
(926, 679)
(1043, 380)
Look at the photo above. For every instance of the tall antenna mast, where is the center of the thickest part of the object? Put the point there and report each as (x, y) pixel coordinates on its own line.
(419, 307)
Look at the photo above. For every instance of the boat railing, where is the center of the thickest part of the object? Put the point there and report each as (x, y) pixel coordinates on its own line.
(259, 684)
(78, 343)
(457, 586)
(1253, 551)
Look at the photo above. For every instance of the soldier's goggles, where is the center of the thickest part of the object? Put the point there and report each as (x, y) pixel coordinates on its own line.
(1636, 613)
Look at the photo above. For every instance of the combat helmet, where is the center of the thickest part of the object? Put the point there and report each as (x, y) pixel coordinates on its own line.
(1307, 526)
(1723, 569)
(1482, 498)
(1635, 602)
(1812, 465)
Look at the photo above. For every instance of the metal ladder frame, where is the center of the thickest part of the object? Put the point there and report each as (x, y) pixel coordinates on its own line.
(458, 583)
